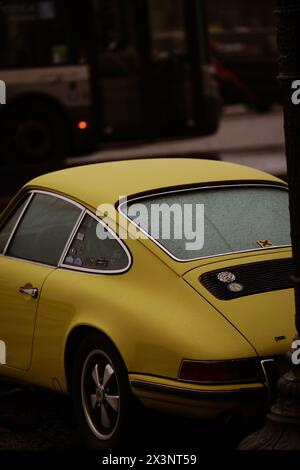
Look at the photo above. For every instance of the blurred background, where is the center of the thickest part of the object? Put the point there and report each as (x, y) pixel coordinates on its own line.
(105, 80)
(112, 79)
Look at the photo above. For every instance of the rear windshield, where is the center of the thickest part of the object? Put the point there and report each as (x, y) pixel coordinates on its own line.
(207, 222)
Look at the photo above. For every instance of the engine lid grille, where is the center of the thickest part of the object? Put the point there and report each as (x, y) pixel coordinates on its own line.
(249, 279)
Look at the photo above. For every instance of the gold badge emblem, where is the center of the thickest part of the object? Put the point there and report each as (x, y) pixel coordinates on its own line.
(264, 243)
(235, 287)
(226, 277)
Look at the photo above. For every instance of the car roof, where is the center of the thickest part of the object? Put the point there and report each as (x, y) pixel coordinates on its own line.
(106, 182)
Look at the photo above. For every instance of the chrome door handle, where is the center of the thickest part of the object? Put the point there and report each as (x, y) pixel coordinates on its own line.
(28, 291)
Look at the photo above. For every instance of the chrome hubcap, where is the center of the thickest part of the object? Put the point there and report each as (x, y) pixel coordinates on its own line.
(100, 394)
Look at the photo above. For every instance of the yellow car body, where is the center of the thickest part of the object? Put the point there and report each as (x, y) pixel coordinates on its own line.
(156, 313)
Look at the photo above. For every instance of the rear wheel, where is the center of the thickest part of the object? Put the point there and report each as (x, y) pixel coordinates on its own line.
(104, 404)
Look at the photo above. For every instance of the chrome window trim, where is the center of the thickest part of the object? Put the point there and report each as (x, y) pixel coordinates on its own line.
(71, 237)
(58, 196)
(83, 213)
(99, 271)
(162, 193)
(29, 199)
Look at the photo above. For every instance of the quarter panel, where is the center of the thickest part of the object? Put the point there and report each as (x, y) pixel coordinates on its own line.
(154, 318)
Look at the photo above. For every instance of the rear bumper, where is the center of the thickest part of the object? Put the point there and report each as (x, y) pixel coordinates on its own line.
(205, 403)
(250, 400)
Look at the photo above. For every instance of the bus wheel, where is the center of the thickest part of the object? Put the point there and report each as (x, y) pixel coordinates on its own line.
(34, 132)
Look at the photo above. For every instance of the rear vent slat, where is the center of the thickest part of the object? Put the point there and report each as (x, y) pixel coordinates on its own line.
(250, 279)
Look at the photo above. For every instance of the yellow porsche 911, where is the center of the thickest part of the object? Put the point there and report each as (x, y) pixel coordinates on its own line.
(164, 282)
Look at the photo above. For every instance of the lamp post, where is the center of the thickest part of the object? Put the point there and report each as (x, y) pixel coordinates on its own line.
(282, 428)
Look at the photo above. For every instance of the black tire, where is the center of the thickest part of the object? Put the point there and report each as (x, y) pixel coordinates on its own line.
(102, 423)
(34, 132)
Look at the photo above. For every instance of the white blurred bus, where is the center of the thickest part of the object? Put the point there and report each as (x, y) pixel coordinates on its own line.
(82, 73)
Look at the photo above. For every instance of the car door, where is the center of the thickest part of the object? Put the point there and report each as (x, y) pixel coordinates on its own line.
(32, 240)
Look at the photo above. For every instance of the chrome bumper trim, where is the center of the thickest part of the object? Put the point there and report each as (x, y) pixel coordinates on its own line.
(196, 394)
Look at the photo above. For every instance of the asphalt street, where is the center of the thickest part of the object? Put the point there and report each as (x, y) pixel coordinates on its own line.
(38, 420)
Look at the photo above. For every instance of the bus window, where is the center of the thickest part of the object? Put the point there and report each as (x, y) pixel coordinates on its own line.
(114, 29)
(118, 65)
(171, 73)
(240, 16)
(245, 29)
(243, 42)
(33, 33)
(168, 29)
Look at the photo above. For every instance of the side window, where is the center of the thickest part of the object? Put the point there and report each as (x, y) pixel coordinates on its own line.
(96, 249)
(8, 226)
(44, 230)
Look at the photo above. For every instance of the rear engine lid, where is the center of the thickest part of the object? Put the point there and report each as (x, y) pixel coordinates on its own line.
(255, 296)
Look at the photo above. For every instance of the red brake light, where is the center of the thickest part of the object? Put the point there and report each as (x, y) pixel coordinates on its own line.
(82, 125)
(213, 372)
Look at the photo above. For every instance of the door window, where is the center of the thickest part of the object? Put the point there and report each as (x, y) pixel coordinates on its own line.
(44, 230)
(9, 225)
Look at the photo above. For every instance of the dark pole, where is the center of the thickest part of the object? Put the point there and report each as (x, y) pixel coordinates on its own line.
(282, 429)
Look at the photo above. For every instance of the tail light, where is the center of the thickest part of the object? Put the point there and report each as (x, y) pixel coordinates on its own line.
(219, 372)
